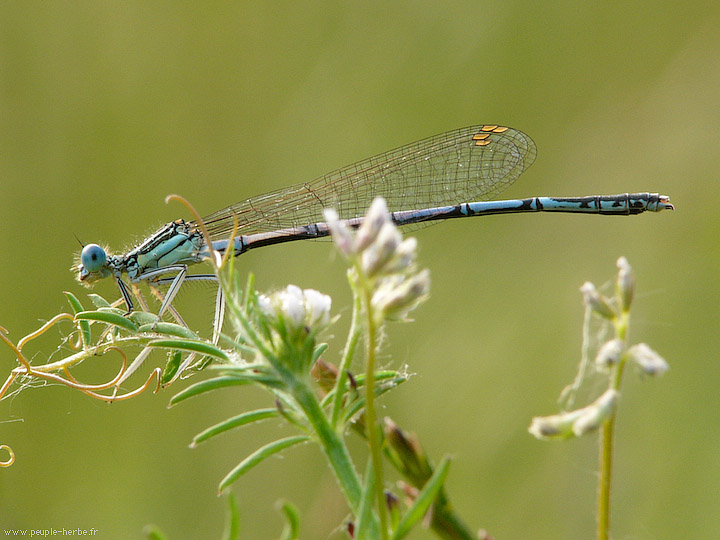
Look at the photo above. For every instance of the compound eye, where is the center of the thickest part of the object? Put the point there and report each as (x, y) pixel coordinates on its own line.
(93, 258)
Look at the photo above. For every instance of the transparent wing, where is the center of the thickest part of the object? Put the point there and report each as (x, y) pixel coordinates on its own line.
(470, 164)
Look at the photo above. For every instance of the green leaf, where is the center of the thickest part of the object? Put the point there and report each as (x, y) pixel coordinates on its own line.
(191, 346)
(258, 456)
(386, 380)
(171, 367)
(358, 403)
(109, 318)
(291, 531)
(74, 302)
(317, 353)
(98, 301)
(206, 386)
(424, 499)
(153, 533)
(232, 520)
(84, 325)
(111, 309)
(254, 373)
(231, 423)
(170, 329)
(142, 317)
(385, 375)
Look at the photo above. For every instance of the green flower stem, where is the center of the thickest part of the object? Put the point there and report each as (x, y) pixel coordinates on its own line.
(331, 443)
(621, 324)
(606, 449)
(348, 354)
(370, 414)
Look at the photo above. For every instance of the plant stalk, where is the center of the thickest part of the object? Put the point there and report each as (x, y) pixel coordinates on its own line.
(370, 414)
(606, 443)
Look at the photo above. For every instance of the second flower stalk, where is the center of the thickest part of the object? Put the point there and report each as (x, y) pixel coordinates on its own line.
(387, 286)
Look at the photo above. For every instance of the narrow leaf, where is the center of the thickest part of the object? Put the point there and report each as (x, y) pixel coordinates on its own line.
(319, 350)
(191, 346)
(232, 520)
(170, 329)
(74, 302)
(98, 301)
(423, 501)
(291, 531)
(111, 309)
(385, 375)
(84, 325)
(356, 405)
(142, 317)
(258, 456)
(109, 318)
(171, 367)
(232, 423)
(206, 386)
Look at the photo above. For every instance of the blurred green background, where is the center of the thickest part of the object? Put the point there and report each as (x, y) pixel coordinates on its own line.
(107, 107)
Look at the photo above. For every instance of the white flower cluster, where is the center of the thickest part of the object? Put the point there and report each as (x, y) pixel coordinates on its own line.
(578, 422)
(624, 288)
(297, 308)
(380, 254)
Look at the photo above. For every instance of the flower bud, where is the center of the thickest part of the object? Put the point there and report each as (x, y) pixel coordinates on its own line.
(408, 453)
(595, 414)
(398, 295)
(404, 256)
(649, 362)
(557, 426)
(379, 252)
(577, 422)
(609, 354)
(377, 215)
(625, 283)
(341, 233)
(598, 303)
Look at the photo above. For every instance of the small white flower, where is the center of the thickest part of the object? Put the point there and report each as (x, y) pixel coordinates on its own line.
(317, 308)
(404, 256)
(266, 306)
(557, 426)
(292, 305)
(341, 233)
(650, 362)
(297, 308)
(577, 422)
(610, 353)
(379, 252)
(397, 295)
(377, 215)
(625, 283)
(596, 413)
(598, 303)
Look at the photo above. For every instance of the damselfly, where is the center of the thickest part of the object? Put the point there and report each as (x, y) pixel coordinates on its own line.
(432, 179)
